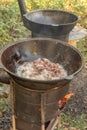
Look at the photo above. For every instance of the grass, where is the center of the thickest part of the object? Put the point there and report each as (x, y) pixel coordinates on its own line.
(11, 26)
(67, 121)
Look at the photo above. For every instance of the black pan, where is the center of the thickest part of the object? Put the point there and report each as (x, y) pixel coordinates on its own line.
(43, 21)
(31, 49)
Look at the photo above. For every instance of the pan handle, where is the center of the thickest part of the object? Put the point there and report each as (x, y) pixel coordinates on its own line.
(4, 77)
(69, 78)
(22, 7)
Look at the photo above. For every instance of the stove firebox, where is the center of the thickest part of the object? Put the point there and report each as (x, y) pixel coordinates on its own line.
(34, 108)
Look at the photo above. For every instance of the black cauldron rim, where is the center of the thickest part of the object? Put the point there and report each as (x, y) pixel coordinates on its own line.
(53, 25)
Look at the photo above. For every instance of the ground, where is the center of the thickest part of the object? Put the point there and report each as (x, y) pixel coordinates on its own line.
(77, 104)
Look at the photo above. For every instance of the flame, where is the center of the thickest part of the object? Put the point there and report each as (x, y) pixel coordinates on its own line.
(66, 97)
(63, 101)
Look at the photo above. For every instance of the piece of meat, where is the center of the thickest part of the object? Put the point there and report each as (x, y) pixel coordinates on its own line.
(41, 69)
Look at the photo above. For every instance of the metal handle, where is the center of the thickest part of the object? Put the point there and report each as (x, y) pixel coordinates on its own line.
(4, 77)
(22, 7)
(69, 78)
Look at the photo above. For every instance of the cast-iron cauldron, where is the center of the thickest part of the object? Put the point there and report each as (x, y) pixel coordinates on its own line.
(33, 48)
(51, 23)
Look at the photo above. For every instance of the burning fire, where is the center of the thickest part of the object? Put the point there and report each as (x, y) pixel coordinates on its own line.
(63, 101)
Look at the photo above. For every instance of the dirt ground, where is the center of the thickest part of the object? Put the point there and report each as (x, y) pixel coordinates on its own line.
(77, 104)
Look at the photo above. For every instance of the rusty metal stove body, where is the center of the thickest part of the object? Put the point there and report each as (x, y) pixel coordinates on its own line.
(35, 109)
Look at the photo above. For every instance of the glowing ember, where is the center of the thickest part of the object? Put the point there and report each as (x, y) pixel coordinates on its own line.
(68, 96)
(63, 101)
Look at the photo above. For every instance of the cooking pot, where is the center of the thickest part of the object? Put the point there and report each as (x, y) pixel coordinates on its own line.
(33, 48)
(51, 23)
